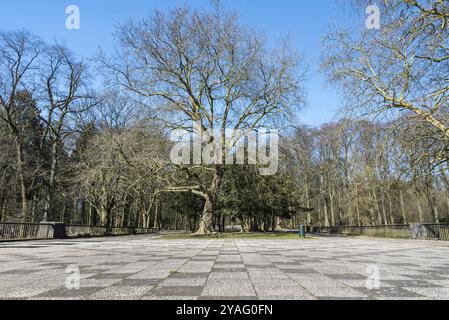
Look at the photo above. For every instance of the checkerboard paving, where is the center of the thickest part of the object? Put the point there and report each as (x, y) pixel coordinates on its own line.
(149, 268)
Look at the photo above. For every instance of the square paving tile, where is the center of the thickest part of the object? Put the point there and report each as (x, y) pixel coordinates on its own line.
(228, 287)
(183, 282)
(111, 276)
(136, 282)
(395, 292)
(63, 292)
(177, 291)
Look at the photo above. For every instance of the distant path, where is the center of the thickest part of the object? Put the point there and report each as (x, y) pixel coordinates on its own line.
(143, 267)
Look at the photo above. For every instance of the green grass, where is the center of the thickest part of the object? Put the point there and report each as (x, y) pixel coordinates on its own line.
(244, 236)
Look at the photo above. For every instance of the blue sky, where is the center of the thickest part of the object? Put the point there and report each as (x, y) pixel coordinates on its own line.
(304, 20)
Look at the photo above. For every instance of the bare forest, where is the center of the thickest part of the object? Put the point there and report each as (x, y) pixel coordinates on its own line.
(87, 141)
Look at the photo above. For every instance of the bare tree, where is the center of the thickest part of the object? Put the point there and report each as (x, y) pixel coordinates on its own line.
(400, 69)
(64, 95)
(204, 67)
(19, 52)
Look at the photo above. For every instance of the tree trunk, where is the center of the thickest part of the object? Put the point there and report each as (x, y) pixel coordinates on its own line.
(278, 223)
(390, 209)
(357, 206)
(84, 219)
(156, 210)
(104, 217)
(382, 202)
(319, 212)
(326, 215)
(20, 171)
(331, 205)
(49, 206)
(62, 214)
(420, 211)
(89, 217)
(436, 216)
(3, 212)
(211, 198)
(206, 219)
(401, 200)
(376, 202)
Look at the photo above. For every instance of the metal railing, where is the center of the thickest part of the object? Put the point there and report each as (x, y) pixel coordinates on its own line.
(406, 231)
(430, 231)
(10, 231)
(25, 231)
(100, 231)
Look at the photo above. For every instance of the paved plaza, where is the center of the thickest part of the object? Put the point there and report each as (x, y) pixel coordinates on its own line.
(145, 267)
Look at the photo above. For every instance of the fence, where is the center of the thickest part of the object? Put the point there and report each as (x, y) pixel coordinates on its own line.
(403, 231)
(10, 231)
(96, 231)
(430, 231)
(25, 231)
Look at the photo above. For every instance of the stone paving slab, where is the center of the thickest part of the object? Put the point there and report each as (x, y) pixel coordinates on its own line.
(147, 268)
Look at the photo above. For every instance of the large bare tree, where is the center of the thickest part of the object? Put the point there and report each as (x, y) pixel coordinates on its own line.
(204, 67)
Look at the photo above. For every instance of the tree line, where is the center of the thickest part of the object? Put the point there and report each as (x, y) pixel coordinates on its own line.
(87, 141)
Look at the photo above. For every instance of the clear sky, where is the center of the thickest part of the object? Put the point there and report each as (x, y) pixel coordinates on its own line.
(304, 20)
